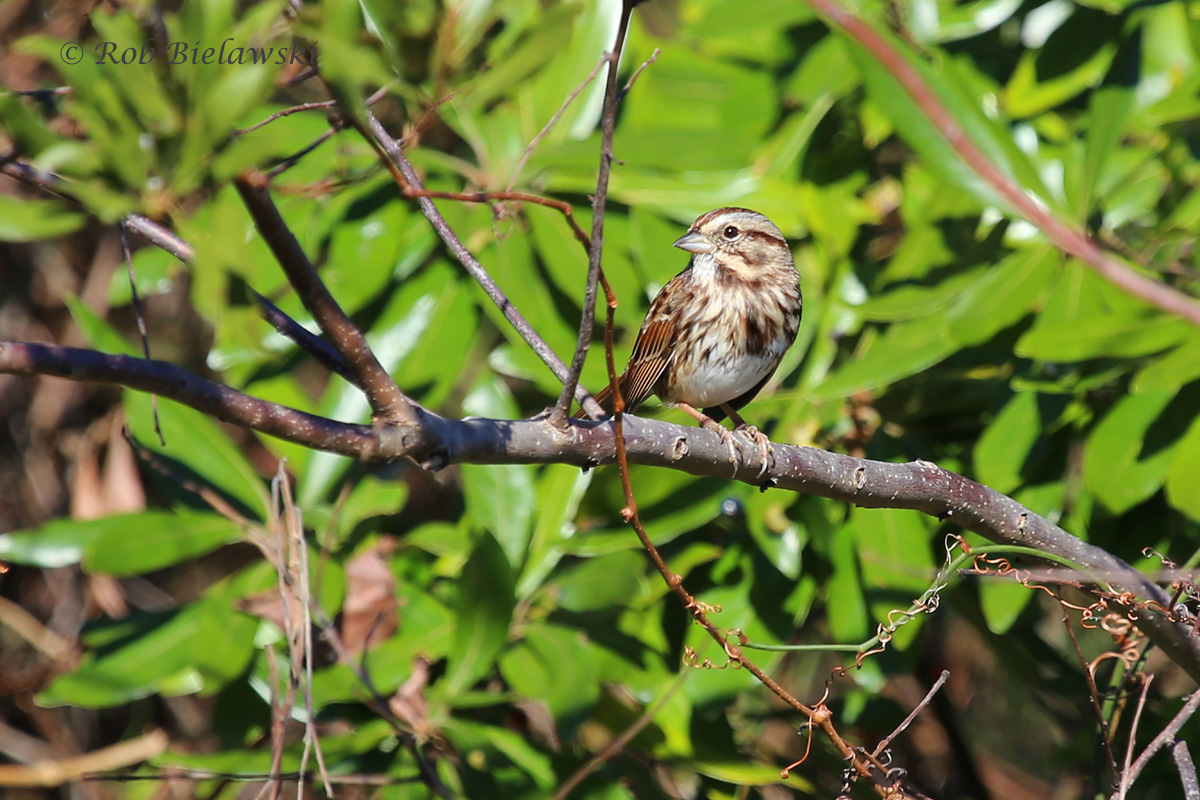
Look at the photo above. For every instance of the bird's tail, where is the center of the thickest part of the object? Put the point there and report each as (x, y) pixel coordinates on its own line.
(604, 398)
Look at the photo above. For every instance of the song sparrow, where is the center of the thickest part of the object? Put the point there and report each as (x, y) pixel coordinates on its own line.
(716, 333)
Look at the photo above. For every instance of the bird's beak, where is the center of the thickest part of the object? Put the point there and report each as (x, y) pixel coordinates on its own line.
(693, 242)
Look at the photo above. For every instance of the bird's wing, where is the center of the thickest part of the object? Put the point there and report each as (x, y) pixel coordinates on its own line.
(650, 354)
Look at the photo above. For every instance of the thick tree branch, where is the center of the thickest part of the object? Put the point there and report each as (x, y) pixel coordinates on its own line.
(385, 397)
(212, 398)
(1066, 237)
(436, 441)
(464, 256)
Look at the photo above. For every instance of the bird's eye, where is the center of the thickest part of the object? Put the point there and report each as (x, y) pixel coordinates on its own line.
(731, 232)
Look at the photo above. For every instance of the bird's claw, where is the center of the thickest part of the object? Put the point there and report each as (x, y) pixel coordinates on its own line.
(765, 452)
(727, 438)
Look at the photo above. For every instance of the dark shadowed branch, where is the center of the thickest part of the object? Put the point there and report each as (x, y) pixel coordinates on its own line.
(385, 397)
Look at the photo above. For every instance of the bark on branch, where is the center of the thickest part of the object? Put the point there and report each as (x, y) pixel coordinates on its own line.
(436, 441)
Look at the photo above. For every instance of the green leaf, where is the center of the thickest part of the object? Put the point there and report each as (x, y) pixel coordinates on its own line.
(741, 773)
(1026, 96)
(1111, 336)
(28, 220)
(601, 582)
(559, 491)
(200, 450)
(1107, 114)
(893, 548)
(1173, 370)
(482, 614)
(1004, 447)
(848, 620)
(96, 330)
(198, 648)
(1183, 478)
(1125, 462)
(904, 349)
(58, 543)
(153, 539)
(554, 665)
(1003, 296)
(915, 127)
(1002, 600)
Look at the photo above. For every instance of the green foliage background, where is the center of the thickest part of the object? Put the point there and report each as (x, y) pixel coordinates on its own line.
(936, 326)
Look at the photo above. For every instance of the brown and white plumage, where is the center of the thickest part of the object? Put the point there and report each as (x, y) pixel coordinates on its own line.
(717, 331)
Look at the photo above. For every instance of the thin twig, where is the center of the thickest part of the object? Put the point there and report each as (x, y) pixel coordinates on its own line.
(1160, 741)
(536, 140)
(471, 264)
(287, 112)
(312, 344)
(1093, 690)
(819, 716)
(608, 124)
(169, 773)
(294, 158)
(127, 254)
(1067, 238)
(386, 400)
(887, 740)
(160, 236)
(1123, 787)
(1187, 770)
(637, 73)
(379, 94)
(297, 614)
(617, 744)
(278, 720)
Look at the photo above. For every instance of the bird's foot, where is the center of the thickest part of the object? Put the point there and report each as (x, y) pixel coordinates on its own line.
(727, 438)
(711, 424)
(766, 453)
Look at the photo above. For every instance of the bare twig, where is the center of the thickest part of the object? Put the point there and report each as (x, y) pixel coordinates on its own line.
(279, 717)
(141, 321)
(471, 264)
(314, 345)
(618, 743)
(1093, 690)
(169, 773)
(608, 124)
(887, 740)
(144, 227)
(1165, 736)
(294, 158)
(287, 112)
(1123, 786)
(63, 771)
(387, 401)
(1069, 239)
(536, 140)
(160, 236)
(1187, 770)
(296, 601)
(637, 73)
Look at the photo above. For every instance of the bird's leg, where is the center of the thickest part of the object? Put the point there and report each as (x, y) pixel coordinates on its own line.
(765, 450)
(711, 424)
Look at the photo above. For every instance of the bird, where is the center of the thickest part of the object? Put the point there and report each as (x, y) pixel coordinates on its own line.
(716, 333)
